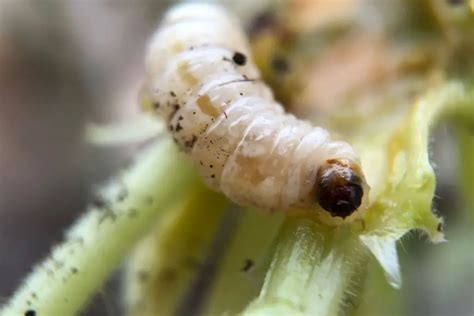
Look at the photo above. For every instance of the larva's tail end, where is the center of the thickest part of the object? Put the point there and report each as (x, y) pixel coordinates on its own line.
(340, 187)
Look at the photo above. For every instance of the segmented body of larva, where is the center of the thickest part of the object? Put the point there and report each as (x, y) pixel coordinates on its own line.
(202, 81)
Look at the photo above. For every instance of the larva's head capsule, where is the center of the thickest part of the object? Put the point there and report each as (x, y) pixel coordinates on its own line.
(340, 187)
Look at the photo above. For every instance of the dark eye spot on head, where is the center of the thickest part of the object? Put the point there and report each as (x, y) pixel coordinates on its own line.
(30, 313)
(239, 59)
(339, 188)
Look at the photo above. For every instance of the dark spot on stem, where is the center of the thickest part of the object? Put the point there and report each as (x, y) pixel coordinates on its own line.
(122, 195)
(143, 276)
(99, 202)
(440, 227)
(148, 200)
(132, 212)
(248, 264)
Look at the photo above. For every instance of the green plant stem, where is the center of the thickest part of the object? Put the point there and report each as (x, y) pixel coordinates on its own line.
(166, 262)
(245, 262)
(96, 244)
(310, 273)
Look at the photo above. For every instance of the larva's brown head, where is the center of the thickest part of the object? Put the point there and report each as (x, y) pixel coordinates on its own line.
(339, 187)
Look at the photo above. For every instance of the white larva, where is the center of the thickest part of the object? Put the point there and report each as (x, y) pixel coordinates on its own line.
(201, 80)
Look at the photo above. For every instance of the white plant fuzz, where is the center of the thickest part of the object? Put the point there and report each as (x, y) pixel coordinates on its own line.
(202, 81)
(123, 133)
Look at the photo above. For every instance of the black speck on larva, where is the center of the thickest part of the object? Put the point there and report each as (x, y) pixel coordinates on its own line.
(172, 94)
(30, 312)
(74, 270)
(190, 143)
(239, 59)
